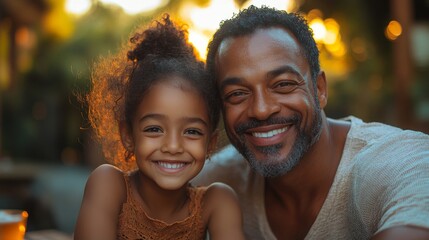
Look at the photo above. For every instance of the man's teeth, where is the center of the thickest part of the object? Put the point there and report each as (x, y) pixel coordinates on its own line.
(269, 134)
(171, 165)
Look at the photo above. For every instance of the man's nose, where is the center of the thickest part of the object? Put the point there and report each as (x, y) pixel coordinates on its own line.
(263, 105)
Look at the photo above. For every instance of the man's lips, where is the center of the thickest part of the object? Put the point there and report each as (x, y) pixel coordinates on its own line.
(267, 135)
(270, 133)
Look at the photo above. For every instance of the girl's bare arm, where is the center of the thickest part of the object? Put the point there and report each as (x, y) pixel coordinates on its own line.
(225, 221)
(105, 192)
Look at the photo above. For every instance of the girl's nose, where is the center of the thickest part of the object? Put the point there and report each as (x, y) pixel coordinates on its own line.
(172, 144)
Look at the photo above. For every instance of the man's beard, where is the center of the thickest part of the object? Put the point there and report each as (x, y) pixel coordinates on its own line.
(274, 164)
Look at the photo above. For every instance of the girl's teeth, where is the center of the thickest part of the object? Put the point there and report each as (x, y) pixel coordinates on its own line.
(269, 133)
(171, 165)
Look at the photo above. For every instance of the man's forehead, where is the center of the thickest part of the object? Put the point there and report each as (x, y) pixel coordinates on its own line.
(273, 35)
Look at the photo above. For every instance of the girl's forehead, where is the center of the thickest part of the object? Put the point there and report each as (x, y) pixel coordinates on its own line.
(173, 91)
(174, 80)
(173, 102)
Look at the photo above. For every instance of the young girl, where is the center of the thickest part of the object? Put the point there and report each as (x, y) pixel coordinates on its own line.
(166, 112)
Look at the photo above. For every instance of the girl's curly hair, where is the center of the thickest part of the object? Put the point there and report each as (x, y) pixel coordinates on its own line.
(120, 82)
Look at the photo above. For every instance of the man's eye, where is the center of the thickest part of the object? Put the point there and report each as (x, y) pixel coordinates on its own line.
(286, 86)
(235, 97)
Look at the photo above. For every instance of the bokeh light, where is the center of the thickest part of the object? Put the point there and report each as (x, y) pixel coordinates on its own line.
(78, 7)
(319, 29)
(393, 30)
(203, 21)
(137, 6)
(288, 5)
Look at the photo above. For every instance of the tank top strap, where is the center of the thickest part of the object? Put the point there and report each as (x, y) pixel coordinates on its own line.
(128, 186)
(196, 195)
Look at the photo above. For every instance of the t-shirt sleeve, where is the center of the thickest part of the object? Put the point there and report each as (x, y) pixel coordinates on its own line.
(392, 183)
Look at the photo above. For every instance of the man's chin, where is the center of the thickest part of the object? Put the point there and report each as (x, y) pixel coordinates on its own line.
(271, 168)
(267, 160)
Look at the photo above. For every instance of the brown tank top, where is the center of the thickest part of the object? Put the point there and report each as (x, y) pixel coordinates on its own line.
(134, 223)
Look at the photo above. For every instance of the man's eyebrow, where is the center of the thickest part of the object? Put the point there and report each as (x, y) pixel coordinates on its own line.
(229, 81)
(271, 74)
(284, 69)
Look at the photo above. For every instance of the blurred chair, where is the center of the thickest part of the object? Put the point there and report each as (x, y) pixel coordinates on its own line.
(58, 192)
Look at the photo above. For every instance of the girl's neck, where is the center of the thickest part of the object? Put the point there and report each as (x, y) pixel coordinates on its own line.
(166, 205)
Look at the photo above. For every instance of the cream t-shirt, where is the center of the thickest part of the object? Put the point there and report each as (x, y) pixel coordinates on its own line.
(382, 181)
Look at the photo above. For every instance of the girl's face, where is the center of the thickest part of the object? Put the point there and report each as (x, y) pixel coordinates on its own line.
(171, 134)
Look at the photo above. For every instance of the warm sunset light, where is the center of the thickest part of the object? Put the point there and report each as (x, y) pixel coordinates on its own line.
(137, 6)
(78, 7)
(332, 31)
(203, 21)
(288, 5)
(200, 41)
(319, 29)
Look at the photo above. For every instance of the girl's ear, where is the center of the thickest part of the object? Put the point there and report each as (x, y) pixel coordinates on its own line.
(126, 136)
(212, 143)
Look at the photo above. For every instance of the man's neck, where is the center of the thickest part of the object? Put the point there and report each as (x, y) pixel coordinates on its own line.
(300, 194)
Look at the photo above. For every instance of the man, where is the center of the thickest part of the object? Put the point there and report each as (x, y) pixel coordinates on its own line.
(307, 176)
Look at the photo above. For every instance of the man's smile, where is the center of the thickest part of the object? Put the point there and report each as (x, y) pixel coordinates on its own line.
(269, 134)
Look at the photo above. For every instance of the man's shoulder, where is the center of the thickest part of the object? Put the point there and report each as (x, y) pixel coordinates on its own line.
(387, 154)
(378, 130)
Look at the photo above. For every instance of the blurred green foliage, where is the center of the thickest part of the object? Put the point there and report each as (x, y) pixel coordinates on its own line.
(41, 112)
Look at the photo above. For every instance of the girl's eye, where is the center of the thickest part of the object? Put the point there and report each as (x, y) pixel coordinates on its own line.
(153, 129)
(193, 132)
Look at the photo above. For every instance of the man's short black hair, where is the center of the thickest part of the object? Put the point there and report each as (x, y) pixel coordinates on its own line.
(249, 20)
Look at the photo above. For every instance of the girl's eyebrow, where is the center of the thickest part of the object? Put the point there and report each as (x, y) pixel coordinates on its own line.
(152, 115)
(196, 120)
(163, 117)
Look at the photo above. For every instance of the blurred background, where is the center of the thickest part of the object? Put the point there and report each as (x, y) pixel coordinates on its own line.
(375, 54)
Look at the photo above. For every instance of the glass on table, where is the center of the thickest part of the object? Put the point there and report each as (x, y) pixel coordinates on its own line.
(13, 224)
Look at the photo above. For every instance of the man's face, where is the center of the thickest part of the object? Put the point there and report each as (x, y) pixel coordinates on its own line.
(270, 106)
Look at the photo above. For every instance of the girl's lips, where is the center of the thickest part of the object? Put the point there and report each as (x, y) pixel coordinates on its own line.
(171, 167)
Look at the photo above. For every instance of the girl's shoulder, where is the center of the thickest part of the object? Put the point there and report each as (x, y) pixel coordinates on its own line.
(218, 190)
(223, 212)
(219, 195)
(109, 180)
(105, 192)
(107, 172)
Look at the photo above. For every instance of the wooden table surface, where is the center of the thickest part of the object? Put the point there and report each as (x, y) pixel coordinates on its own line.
(47, 235)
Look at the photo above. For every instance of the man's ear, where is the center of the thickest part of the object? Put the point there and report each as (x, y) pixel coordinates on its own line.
(126, 136)
(212, 142)
(322, 89)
